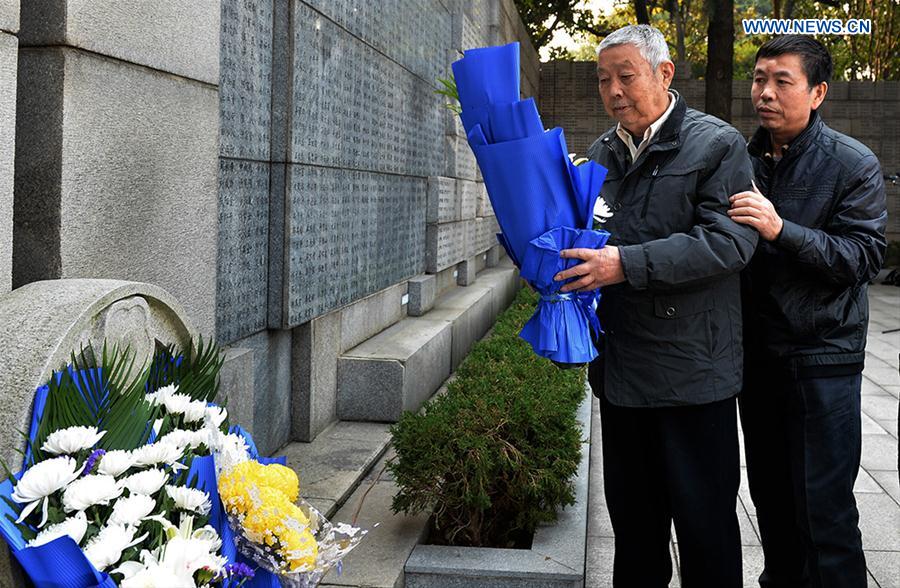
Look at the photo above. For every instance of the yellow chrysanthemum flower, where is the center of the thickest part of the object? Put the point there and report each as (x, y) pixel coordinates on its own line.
(235, 486)
(298, 548)
(282, 478)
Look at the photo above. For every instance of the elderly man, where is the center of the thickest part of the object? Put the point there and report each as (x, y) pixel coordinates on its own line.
(671, 358)
(822, 229)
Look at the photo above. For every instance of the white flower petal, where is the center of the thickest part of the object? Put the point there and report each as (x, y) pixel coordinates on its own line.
(72, 440)
(189, 499)
(116, 462)
(147, 482)
(132, 510)
(45, 478)
(90, 490)
(74, 526)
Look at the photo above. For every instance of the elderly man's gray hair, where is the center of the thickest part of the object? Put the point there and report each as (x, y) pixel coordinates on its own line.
(649, 41)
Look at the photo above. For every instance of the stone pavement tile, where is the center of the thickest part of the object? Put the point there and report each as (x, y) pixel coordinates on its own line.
(753, 566)
(869, 388)
(881, 349)
(331, 467)
(866, 484)
(748, 532)
(599, 524)
(879, 521)
(359, 431)
(676, 566)
(880, 407)
(879, 452)
(883, 376)
(889, 482)
(871, 427)
(744, 493)
(378, 561)
(885, 567)
(599, 564)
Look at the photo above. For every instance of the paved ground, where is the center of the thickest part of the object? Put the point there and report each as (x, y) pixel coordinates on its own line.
(877, 488)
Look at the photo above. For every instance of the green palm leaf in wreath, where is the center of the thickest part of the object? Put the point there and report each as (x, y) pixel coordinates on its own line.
(98, 393)
(195, 371)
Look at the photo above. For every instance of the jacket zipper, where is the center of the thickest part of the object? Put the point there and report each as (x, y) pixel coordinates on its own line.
(649, 190)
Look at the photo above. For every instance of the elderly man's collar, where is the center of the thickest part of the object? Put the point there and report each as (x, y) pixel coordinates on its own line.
(760, 144)
(672, 127)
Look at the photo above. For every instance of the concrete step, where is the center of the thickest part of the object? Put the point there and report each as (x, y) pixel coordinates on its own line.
(396, 370)
(401, 367)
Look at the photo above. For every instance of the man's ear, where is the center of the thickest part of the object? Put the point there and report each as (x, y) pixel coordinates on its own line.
(666, 71)
(819, 92)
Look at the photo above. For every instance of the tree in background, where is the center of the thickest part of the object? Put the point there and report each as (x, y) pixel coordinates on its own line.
(720, 58)
(685, 23)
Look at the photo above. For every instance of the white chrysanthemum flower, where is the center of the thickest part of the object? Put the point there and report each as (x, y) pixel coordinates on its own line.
(194, 411)
(106, 548)
(176, 403)
(186, 439)
(189, 499)
(159, 397)
(187, 555)
(161, 452)
(154, 575)
(602, 211)
(116, 462)
(74, 526)
(147, 482)
(214, 416)
(41, 480)
(132, 510)
(72, 440)
(230, 449)
(90, 490)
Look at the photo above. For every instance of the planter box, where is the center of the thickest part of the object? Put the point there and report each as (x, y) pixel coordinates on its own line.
(555, 560)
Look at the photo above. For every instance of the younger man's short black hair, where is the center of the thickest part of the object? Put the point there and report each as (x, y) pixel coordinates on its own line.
(816, 60)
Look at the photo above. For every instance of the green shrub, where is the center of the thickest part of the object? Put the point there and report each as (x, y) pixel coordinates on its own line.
(496, 455)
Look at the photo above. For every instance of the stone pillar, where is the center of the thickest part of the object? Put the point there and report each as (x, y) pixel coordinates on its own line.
(116, 145)
(9, 48)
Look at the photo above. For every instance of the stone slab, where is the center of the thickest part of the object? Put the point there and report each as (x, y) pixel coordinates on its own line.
(468, 198)
(470, 311)
(315, 347)
(447, 244)
(412, 32)
(9, 16)
(140, 163)
(459, 161)
(486, 229)
(503, 280)
(245, 81)
(168, 35)
(348, 234)
(243, 249)
(332, 465)
(443, 201)
(9, 49)
(422, 294)
(466, 271)
(378, 561)
(271, 375)
(371, 315)
(396, 370)
(483, 205)
(236, 386)
(355, 108)
(493, 255)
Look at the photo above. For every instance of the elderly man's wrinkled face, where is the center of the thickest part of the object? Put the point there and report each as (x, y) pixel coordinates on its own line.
(632, 93)
(782, 96)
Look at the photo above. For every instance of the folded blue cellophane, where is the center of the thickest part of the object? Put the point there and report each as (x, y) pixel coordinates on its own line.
(543, 202)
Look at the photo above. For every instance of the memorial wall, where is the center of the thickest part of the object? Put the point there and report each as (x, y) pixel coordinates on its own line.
(341, 177)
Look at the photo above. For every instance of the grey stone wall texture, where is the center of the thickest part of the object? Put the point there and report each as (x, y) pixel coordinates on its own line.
(117, 133)
(283, 168)
(867, 111)
(9, 51)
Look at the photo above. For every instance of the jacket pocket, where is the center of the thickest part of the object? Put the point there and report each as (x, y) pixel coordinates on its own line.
(673, 306)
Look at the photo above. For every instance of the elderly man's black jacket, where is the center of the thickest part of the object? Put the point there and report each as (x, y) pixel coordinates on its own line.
(673, 329)
(805, 293)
